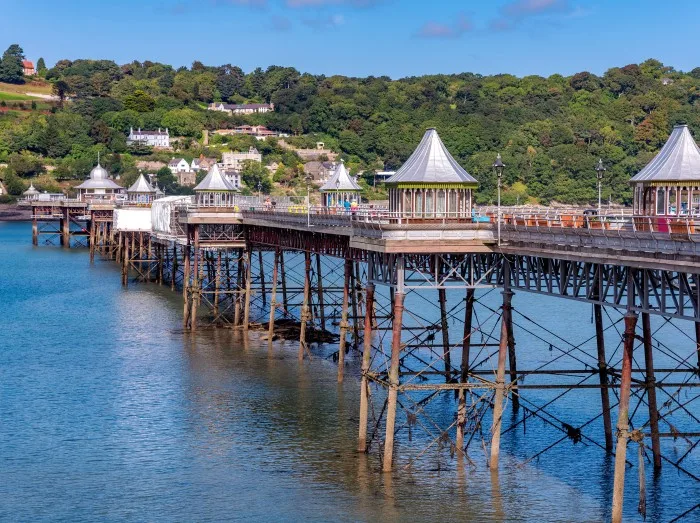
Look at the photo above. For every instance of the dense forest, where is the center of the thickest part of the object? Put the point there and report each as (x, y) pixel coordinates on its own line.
(550, 131)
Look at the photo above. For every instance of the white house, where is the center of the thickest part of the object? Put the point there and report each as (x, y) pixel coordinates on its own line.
(241, 108)
(236, 160)
(151, 138)
(233, 177)
(178, 165)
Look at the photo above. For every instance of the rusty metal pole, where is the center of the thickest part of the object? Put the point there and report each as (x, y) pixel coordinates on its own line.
(186, 282)
(366, 360)
(65, 226)
(240, 270)
(92, 241)
(125, 262)
(262, 278)
(500, 392)
(248, 282)
(344, 321)
(173, 268)
(273, 298)
(354, 274)
(393, 380)
(444, 327)
(603, 375)
(305, 305)
(196, 280)
(651, 391)
(283, 274)
(512, 362)
(623, 418)
(35, 231)
(217, 286)
(464, 369)
(319, 290)
(697, 343)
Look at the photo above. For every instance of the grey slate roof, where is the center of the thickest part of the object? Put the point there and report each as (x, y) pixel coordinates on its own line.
(677, 161)
(214, 181)
(31, 191)
(347, 183)
(99, 179)
(141, 185)
(431, 162)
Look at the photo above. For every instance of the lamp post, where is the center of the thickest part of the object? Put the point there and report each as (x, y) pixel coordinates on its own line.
(498, 167)
(599, 171)
(337, 191)
(259, 191)
(308, 200)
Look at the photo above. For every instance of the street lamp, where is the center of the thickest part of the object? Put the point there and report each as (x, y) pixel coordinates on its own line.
(498, 167)
(308, 179)
(259, 191)
(599, 171)
(337, 191)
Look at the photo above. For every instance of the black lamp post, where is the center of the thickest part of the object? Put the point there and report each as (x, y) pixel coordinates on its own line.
(498, 167)
(599, 172)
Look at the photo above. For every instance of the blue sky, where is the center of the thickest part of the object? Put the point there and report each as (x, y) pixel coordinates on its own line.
(363, 37)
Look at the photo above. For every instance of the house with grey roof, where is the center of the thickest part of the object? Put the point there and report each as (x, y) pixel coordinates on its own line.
(157, 139)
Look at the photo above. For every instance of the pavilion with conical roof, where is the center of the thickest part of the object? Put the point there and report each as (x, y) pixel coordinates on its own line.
(340, 187)
(98, 186)
(431, 184)
(141, 191)
(669, 185)
(215, 190)
(31, 193)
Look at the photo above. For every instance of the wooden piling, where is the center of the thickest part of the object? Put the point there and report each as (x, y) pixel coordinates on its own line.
(344, 321)
(393, 381)
(196, 287)
(464, 369)
(305, 305)
(651, 391)
(623, 417)
(366, 360)
(500, 392)
(125, 262)
(186, 286)
(603, 375)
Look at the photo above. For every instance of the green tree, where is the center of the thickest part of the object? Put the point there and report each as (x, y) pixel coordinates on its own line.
(11, 70)
(255, 173)
(41, 67)
(61, 89)
(139, 101)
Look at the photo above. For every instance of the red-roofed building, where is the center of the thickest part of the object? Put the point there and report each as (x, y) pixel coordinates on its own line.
(28, 68)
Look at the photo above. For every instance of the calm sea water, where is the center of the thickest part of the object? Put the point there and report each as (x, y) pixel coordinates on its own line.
(109, 412)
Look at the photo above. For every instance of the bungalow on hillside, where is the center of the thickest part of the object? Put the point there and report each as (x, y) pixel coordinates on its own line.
(319, 171)
(28, 68)
(178, 165)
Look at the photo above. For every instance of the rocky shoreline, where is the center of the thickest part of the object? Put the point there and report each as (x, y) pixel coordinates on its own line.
(9, 212)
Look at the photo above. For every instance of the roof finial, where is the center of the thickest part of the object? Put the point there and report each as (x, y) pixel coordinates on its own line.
(98, 158)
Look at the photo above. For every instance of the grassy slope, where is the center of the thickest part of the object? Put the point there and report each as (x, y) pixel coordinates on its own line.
(20, 90)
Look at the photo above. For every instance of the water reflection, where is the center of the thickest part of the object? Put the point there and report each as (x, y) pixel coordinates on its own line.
(109, 411)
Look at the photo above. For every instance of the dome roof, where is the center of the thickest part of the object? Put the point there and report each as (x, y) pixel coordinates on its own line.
(99, 179)
(31, 191)
(99, 173)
